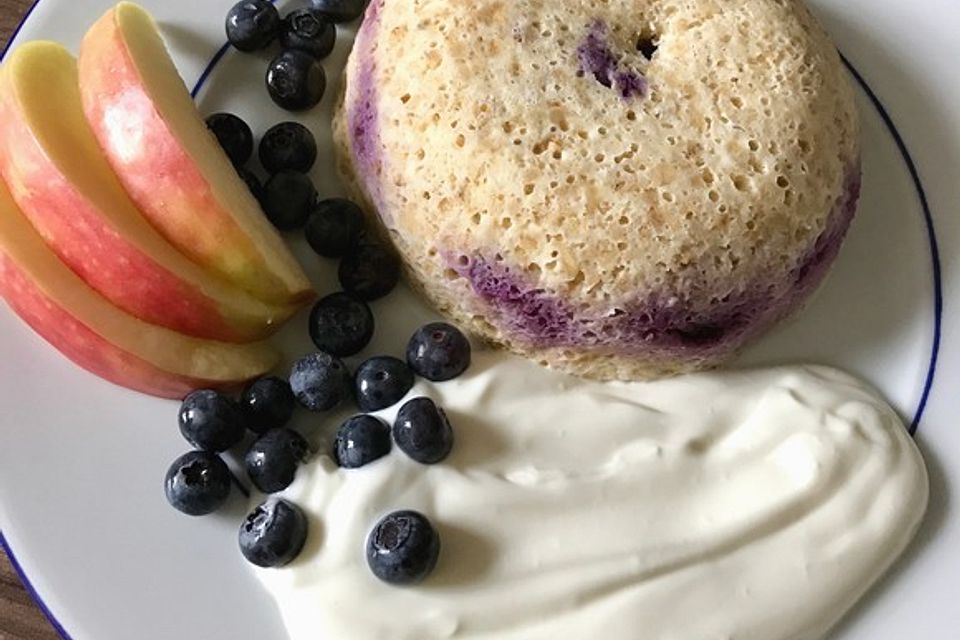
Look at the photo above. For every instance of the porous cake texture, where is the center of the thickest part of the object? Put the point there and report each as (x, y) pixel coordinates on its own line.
(620, 189)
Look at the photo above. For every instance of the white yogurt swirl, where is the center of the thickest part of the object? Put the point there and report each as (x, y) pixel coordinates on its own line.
(749, 505)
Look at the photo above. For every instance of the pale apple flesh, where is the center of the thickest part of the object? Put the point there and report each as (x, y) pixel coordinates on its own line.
(101, 338)
(61, 181)
(171, 165)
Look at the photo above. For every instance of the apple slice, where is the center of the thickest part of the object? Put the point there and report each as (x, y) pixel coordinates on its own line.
(171, 165)
(61, 181)
(101, 338)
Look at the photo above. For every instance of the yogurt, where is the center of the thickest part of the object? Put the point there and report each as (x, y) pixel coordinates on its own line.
(756, 504)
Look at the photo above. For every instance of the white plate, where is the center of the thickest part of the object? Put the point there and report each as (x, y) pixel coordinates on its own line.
(81, 462)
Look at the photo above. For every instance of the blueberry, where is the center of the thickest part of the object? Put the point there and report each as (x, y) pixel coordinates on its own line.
(422, 431)
(211, 421)
(288, 146)
(438, 352)
(370, 272)
(267, 404)
(360, 441)
(334, 227)
(320, 382)
(288, 199)
(382, 382)
(296, 80)
(273, 534)
(197, 483)
(253, 183)
(234, 135)
(308, 31)
(403, 548)
(341, 325)
(340, 10)
(252, 24)
(273, 459)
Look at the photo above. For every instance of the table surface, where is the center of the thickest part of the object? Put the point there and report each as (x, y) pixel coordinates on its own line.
(20, 619)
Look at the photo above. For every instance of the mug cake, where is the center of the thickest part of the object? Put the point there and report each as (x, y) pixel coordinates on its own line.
(620, 190)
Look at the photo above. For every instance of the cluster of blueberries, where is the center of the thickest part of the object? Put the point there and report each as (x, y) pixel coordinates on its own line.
(295, 78)
(333, 226)
(403, 547)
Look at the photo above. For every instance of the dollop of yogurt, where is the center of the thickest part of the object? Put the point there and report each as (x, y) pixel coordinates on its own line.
(756, 505)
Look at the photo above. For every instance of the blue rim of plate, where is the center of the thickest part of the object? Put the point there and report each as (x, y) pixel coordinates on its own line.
(931, 239)
(31, 590)
(891, 128)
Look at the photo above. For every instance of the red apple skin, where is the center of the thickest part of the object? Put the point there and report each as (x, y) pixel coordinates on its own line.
(136, 275)
(100, 257)
(162, 177)
(87, 349)
(103, 339)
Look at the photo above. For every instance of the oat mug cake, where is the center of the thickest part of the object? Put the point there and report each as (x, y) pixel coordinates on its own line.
(621, 190)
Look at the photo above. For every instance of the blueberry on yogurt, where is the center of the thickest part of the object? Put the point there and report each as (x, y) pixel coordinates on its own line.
(273, 534)
(361, 440)
(422, 431)
(403, 548)
(381, 382)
